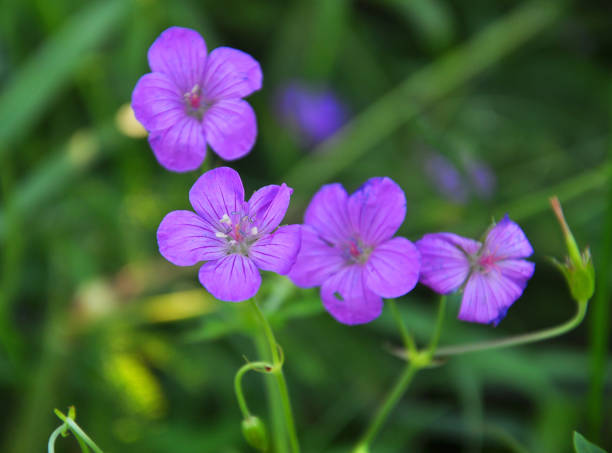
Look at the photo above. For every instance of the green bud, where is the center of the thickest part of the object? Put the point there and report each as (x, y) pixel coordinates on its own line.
(578, 267)
(254, 431)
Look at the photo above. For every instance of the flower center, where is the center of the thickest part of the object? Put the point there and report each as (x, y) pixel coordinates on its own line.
(485, 263)
(355, 251)
(239, 232)
(195, 103)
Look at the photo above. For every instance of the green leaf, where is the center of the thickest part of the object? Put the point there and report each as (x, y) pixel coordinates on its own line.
(581, 445)
(25, 97)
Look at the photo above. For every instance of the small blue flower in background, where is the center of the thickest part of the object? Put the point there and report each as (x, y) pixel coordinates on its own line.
(312, 114)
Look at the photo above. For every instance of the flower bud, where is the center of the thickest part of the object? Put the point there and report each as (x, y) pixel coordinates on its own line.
(578, 267)
(254, 431)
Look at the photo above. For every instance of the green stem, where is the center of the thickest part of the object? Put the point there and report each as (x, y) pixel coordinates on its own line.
(54, 435)
(420, 360)
(279, 376)
(244, 408)
(518, 339)
(435, 338)
(409, 342)
(390, 402)
(78, 432)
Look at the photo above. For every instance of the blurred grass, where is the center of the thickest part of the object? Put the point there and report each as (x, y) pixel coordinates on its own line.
(85, 297)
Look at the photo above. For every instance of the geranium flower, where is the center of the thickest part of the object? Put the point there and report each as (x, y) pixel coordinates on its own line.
(492, 275)
(349, 250)
(191, 99)
(234, 237)
(313, 114)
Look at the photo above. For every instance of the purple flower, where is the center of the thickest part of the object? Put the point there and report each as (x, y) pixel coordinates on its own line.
(234, 237)
(349, 250)
(191, 99)
(480, 175)
(313, 114)
(445, 176)
(493, 275)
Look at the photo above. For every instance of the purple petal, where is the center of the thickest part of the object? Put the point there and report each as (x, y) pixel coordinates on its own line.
(179, 53)
(277, 252)
(316, 260)
(233, 278)
(506, 241)
(444, 260)
(268, 206)
(392, 269)
(216, 193)
(181, 147)
(231, 74)
(487, 296)
(185, 239)
(347, 299)
(328, 214)
(377, 210)
(231, 128)
(157, 102)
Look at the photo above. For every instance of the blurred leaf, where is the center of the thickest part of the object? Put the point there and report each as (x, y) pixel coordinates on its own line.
(26, 96)
(581, 445)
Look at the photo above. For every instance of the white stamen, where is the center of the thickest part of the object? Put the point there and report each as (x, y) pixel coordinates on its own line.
(220, 235)
(225, 219)
(254, 230)
(233, 242)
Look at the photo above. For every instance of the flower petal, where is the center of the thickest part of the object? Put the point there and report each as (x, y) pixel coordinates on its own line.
(157, 102)
(347, 299)
(328, 214)
(185, 239)
(377, 210)
(181, 147)
(231, 128)
(216, 193)
(231, 74)
(444, 260)
(180, 53)
(392, 269)
(316, 260)
(487, 296)
(277, 252)
(233, 278)
(268, 206)
(506, 240)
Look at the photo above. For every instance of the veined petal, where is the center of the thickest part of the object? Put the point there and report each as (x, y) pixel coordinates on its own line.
(487, 296)
(444, 260)
(506, 240)
(392, 269)
(231, 74)
(347, 299)
(181, 147)
(185, 239)
(179, 53)
(217, 193)
(327, 213)
(377, 210)
(157, 102)
(231, 128)
(233, 278)
(316, 260)
(268, 206)
(277, 252)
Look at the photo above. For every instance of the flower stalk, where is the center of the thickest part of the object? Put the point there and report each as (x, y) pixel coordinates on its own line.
(277, 371)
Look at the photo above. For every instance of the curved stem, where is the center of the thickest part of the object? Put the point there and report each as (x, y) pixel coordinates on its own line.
(78, 432)
(244, 408)
(280, 377)
(519, 339)
(54, 435)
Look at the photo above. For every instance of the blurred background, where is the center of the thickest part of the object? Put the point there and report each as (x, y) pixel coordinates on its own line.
(476, 108)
